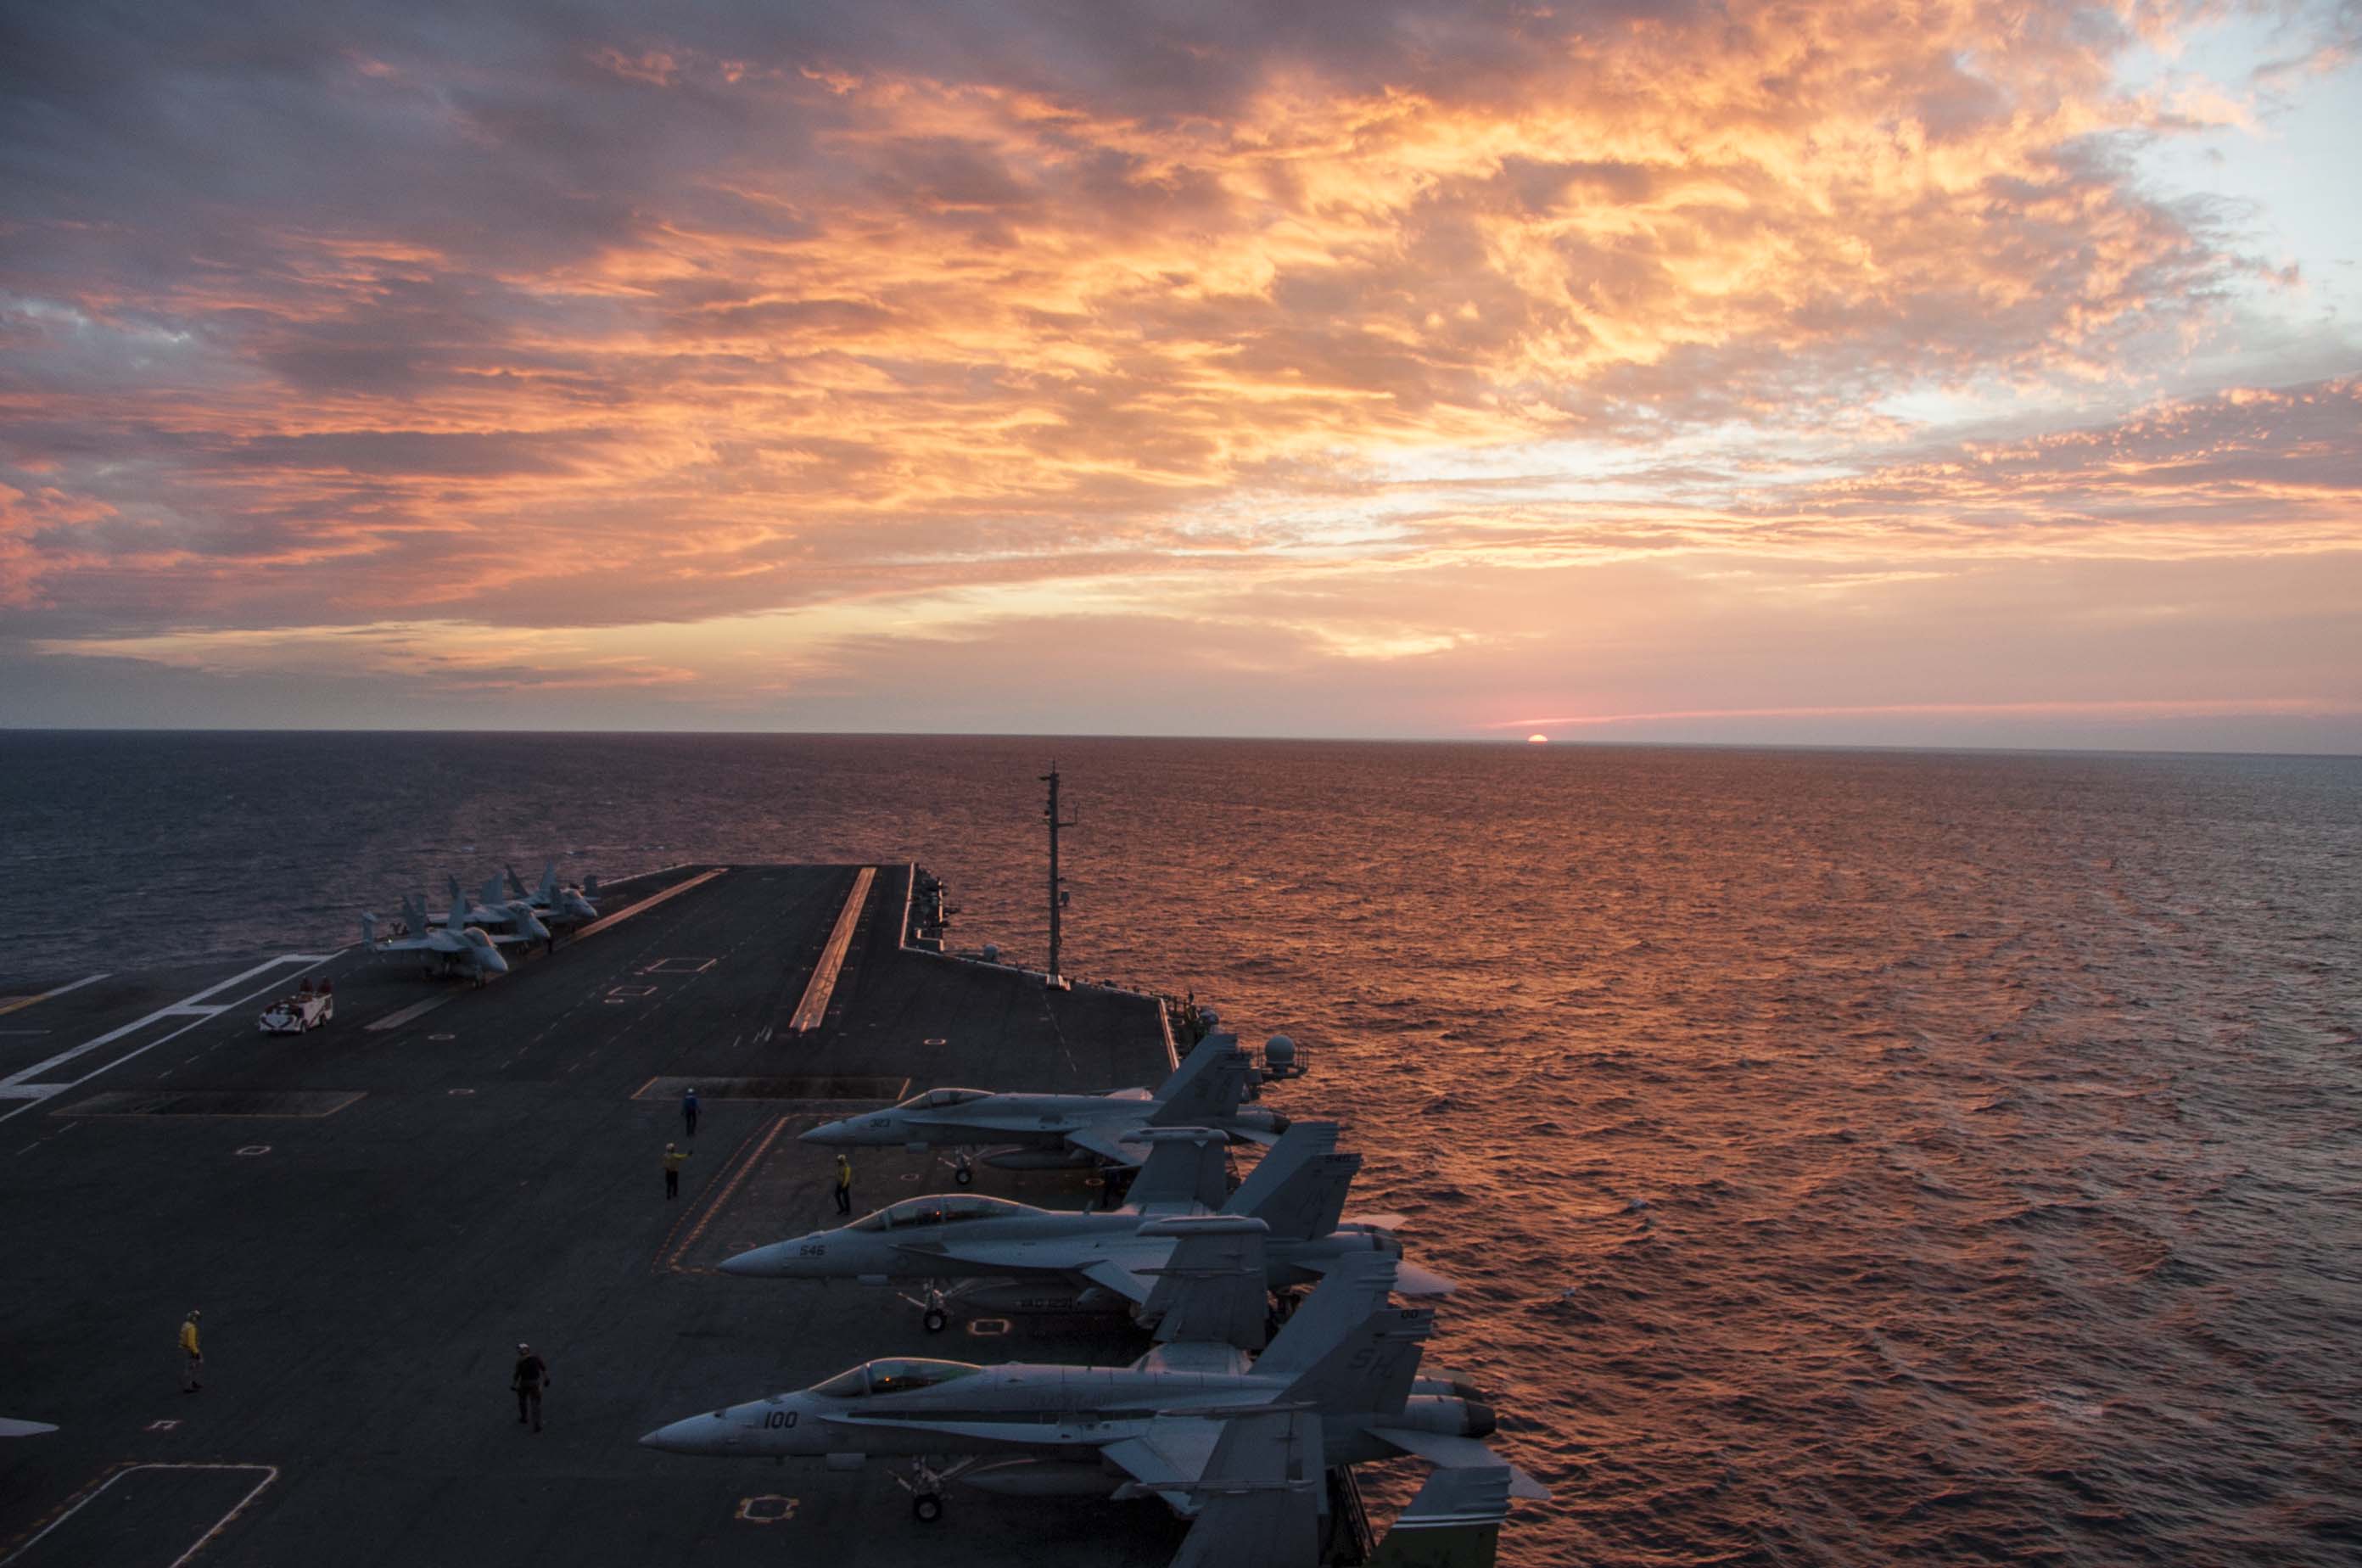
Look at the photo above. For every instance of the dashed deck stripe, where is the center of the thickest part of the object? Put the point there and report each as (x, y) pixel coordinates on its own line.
(416, 1010)
(190, 1006)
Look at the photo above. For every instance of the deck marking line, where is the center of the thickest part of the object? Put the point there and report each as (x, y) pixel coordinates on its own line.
(814, 1007)
(651, 902)
(176, 1010)
(416, 1010)
(721, 1199)
(270, 1474)
(16, 1004)
(165, 1040)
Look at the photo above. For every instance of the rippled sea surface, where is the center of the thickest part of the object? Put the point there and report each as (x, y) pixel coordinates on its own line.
(1852, 1158)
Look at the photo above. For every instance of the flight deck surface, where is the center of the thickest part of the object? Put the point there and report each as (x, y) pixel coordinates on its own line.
(372, 1215)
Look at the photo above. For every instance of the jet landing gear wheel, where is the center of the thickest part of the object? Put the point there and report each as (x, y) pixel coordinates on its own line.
(934, 1307)
(963, 1172)
(925, 1485)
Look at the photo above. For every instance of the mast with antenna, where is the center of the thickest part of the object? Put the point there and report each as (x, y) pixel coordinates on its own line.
(1057, 980)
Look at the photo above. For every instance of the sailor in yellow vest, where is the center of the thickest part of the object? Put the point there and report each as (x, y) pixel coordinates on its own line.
(844, 1184)
(192, 1376)
(674, 1155)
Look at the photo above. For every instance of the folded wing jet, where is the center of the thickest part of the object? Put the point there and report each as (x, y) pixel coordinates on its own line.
(1105, 1259)
(555, 903)
(514, 917)
(1040, 1132)
(1150, 1428)
(453, 946)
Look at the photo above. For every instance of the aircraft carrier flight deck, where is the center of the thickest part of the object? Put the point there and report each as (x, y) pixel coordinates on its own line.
(372, 1215)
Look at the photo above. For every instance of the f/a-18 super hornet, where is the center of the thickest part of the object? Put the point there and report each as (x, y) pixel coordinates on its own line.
(1148, 1428)
(455, 945)
(512, 917)
(1043, 1132)
(1262, 1501)
(1105, 1259)
(554, 902)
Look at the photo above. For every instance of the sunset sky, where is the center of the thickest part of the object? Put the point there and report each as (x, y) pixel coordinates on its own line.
(1814, 372)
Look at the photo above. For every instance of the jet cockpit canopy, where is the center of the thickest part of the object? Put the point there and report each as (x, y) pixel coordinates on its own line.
(936, 1098)
(936, 1208)
(895, 1375)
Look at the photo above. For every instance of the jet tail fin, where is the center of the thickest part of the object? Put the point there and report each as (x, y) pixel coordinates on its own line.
(517, 883)
(490, 894)
(1345, 1350)
(1454, 1522)
(1300, 1188)
(1188, 1171)
(1207, 1087)
(459, 921)
(1370, 1369)
(1210, 1290)
(368, 930)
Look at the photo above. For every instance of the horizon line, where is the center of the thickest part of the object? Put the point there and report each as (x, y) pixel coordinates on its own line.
(1490, 742)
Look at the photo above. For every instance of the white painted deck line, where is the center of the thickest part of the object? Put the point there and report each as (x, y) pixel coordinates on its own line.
(269, 1472)
(416, 1010)
(814, 1007)
(651, 902)
(309, 961)
(180, 1008)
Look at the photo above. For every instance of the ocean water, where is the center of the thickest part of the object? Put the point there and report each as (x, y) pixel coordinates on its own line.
(1853, 1158)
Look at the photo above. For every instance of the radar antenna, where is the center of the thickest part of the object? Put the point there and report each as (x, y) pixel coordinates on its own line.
(1056, 979)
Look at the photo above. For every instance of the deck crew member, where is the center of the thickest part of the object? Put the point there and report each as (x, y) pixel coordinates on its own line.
(689, 1113)
(193, 1373)
(844, 1184)
(674, 1155)
(532, 1376)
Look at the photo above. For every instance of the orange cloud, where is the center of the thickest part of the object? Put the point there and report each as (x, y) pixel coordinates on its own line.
(758, 317)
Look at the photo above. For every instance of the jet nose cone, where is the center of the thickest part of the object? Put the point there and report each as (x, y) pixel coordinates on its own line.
(753, 1264)
(826, 1132)
(698, 1434)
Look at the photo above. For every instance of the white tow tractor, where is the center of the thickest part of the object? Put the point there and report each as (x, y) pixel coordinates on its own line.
(302, 1011)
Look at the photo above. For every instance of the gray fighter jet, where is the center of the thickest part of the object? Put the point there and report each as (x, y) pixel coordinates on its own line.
(1261, 1499)
(514, 917)
(1150, 1428)
(1105, 1259)
(555, 903)
(454, 946)
(1044, 1131)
